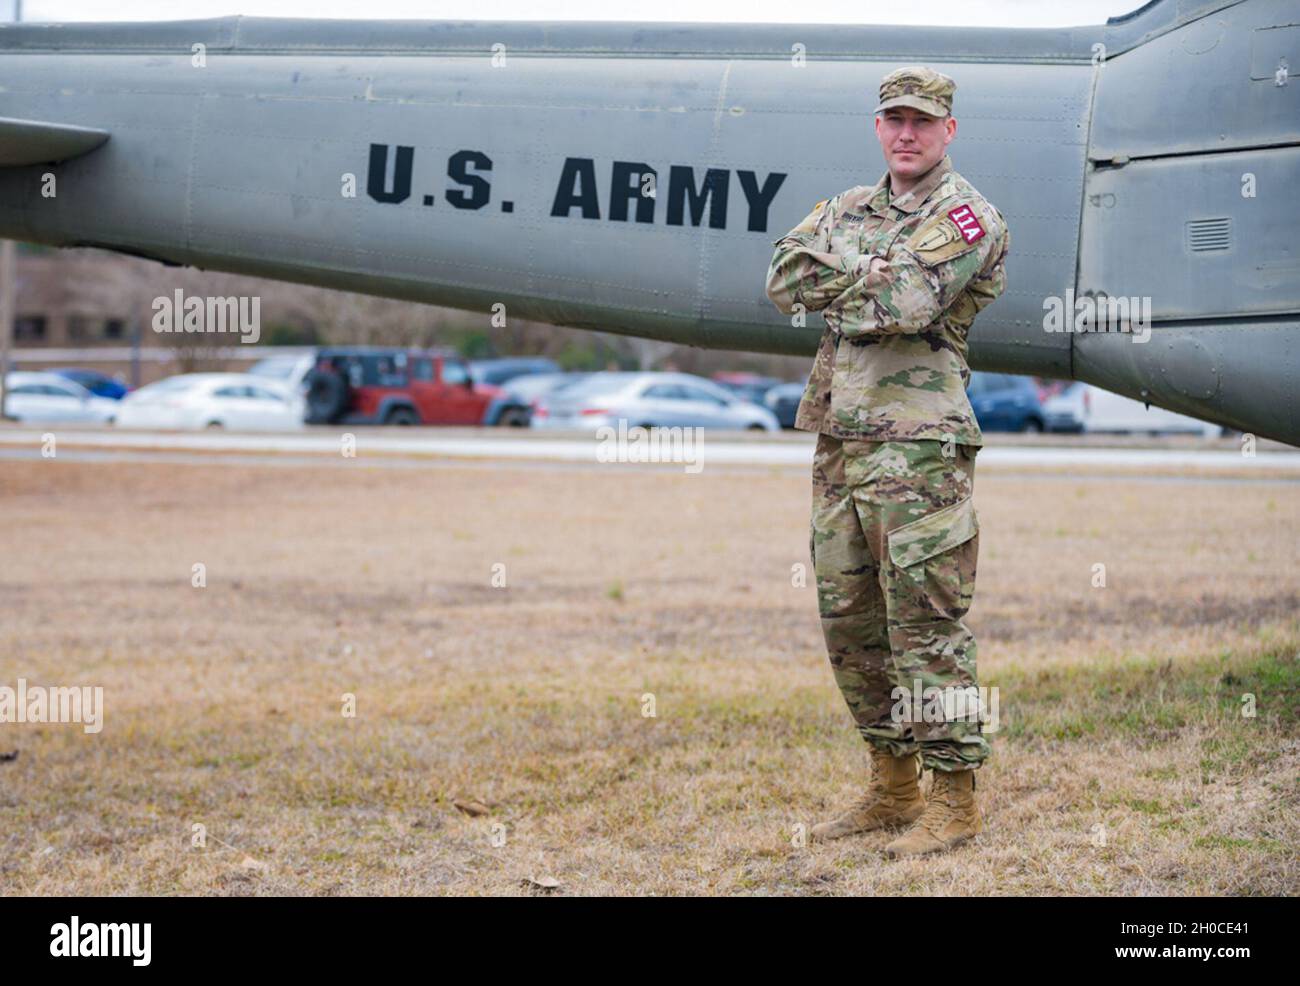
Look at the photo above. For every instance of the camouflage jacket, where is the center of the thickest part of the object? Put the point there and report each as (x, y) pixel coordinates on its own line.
(898, 280)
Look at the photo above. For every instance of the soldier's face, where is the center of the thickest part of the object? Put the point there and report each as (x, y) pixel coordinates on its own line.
(913, 142)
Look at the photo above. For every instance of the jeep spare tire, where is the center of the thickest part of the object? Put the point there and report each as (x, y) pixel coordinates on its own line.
(327, 397)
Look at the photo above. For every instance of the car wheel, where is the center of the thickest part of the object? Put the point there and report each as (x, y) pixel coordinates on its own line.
(211, 425)
(401, 416)
(755, 427)
(513, 417)
(1033, 425)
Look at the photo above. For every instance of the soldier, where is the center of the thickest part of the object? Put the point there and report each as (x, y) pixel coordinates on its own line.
(899, 271)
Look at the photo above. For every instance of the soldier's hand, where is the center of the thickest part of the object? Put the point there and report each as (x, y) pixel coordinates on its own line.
(862, 267)
(862, 264)
(874, 265)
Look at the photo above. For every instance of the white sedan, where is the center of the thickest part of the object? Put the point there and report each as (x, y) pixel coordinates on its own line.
(48, 397)
(213, 400)
(1083, 407)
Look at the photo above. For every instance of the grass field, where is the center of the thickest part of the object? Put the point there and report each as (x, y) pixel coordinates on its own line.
(499, 739)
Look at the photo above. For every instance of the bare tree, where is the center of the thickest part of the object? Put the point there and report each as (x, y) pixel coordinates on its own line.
(648, 352)
(126, 287)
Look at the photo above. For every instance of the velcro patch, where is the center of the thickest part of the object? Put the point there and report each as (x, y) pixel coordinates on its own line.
(967, 224)
(938, 241)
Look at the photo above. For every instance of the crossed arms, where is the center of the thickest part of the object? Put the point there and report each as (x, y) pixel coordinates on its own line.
(866, 294)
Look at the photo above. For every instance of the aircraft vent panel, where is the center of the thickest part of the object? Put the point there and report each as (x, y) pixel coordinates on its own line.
(1202, 236)
(1205, 235)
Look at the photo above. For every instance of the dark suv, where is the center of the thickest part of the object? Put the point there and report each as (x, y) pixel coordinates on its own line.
(386, 386)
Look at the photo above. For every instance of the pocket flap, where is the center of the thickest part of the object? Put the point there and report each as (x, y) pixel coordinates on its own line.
(933, 534)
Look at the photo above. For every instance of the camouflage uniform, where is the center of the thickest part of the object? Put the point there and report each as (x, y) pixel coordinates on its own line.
(898, 280)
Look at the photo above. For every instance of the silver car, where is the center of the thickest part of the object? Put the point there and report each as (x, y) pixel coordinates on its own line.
(664, 400)
(48, 397)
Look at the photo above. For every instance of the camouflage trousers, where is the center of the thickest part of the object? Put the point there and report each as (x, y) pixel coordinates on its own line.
(894, 543)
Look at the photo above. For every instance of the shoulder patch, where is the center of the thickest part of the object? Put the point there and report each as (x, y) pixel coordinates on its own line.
(939, 239)
(967, 222)
(949, 234)
(819, 204)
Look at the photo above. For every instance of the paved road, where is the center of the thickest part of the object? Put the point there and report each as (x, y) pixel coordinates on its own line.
(424, 447)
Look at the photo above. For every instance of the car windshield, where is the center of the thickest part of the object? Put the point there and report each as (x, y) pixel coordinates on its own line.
(597, 383)
(51, 386)
(277, 367)
(508, 371)
(535, 384)
(172, 385)
(498, 374)
(752, 392)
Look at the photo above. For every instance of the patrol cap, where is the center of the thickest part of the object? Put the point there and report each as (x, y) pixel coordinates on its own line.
(919, 87)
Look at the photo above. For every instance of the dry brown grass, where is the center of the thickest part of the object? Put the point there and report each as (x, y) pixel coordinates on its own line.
(1120, 706)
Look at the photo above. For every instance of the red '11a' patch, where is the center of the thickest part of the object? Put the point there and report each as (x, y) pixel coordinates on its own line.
(970, 227)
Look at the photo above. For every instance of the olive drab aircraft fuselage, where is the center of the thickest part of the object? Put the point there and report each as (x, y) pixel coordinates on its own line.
(633, 177)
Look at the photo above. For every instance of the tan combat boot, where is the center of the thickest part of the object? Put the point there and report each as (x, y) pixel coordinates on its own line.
(951, 817)
(892, 799)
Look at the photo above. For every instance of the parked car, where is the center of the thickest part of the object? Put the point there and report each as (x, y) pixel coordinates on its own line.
(783, 401)
(500, 371)
(749, 386)
(1049, 388)
(649, 400)
(1083, 407)
(387, 386)
(289, 369)
(49, 397)
(193, 401)
(514, 406)
(99, 384)
(1002, 402)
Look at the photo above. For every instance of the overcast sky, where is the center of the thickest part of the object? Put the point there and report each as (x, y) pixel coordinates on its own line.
(986, 13)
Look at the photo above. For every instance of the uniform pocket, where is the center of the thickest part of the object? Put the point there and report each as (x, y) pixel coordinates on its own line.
(933, 534)
(934, 565)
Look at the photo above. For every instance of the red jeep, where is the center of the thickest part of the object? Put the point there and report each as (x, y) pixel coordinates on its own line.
(386, 386)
